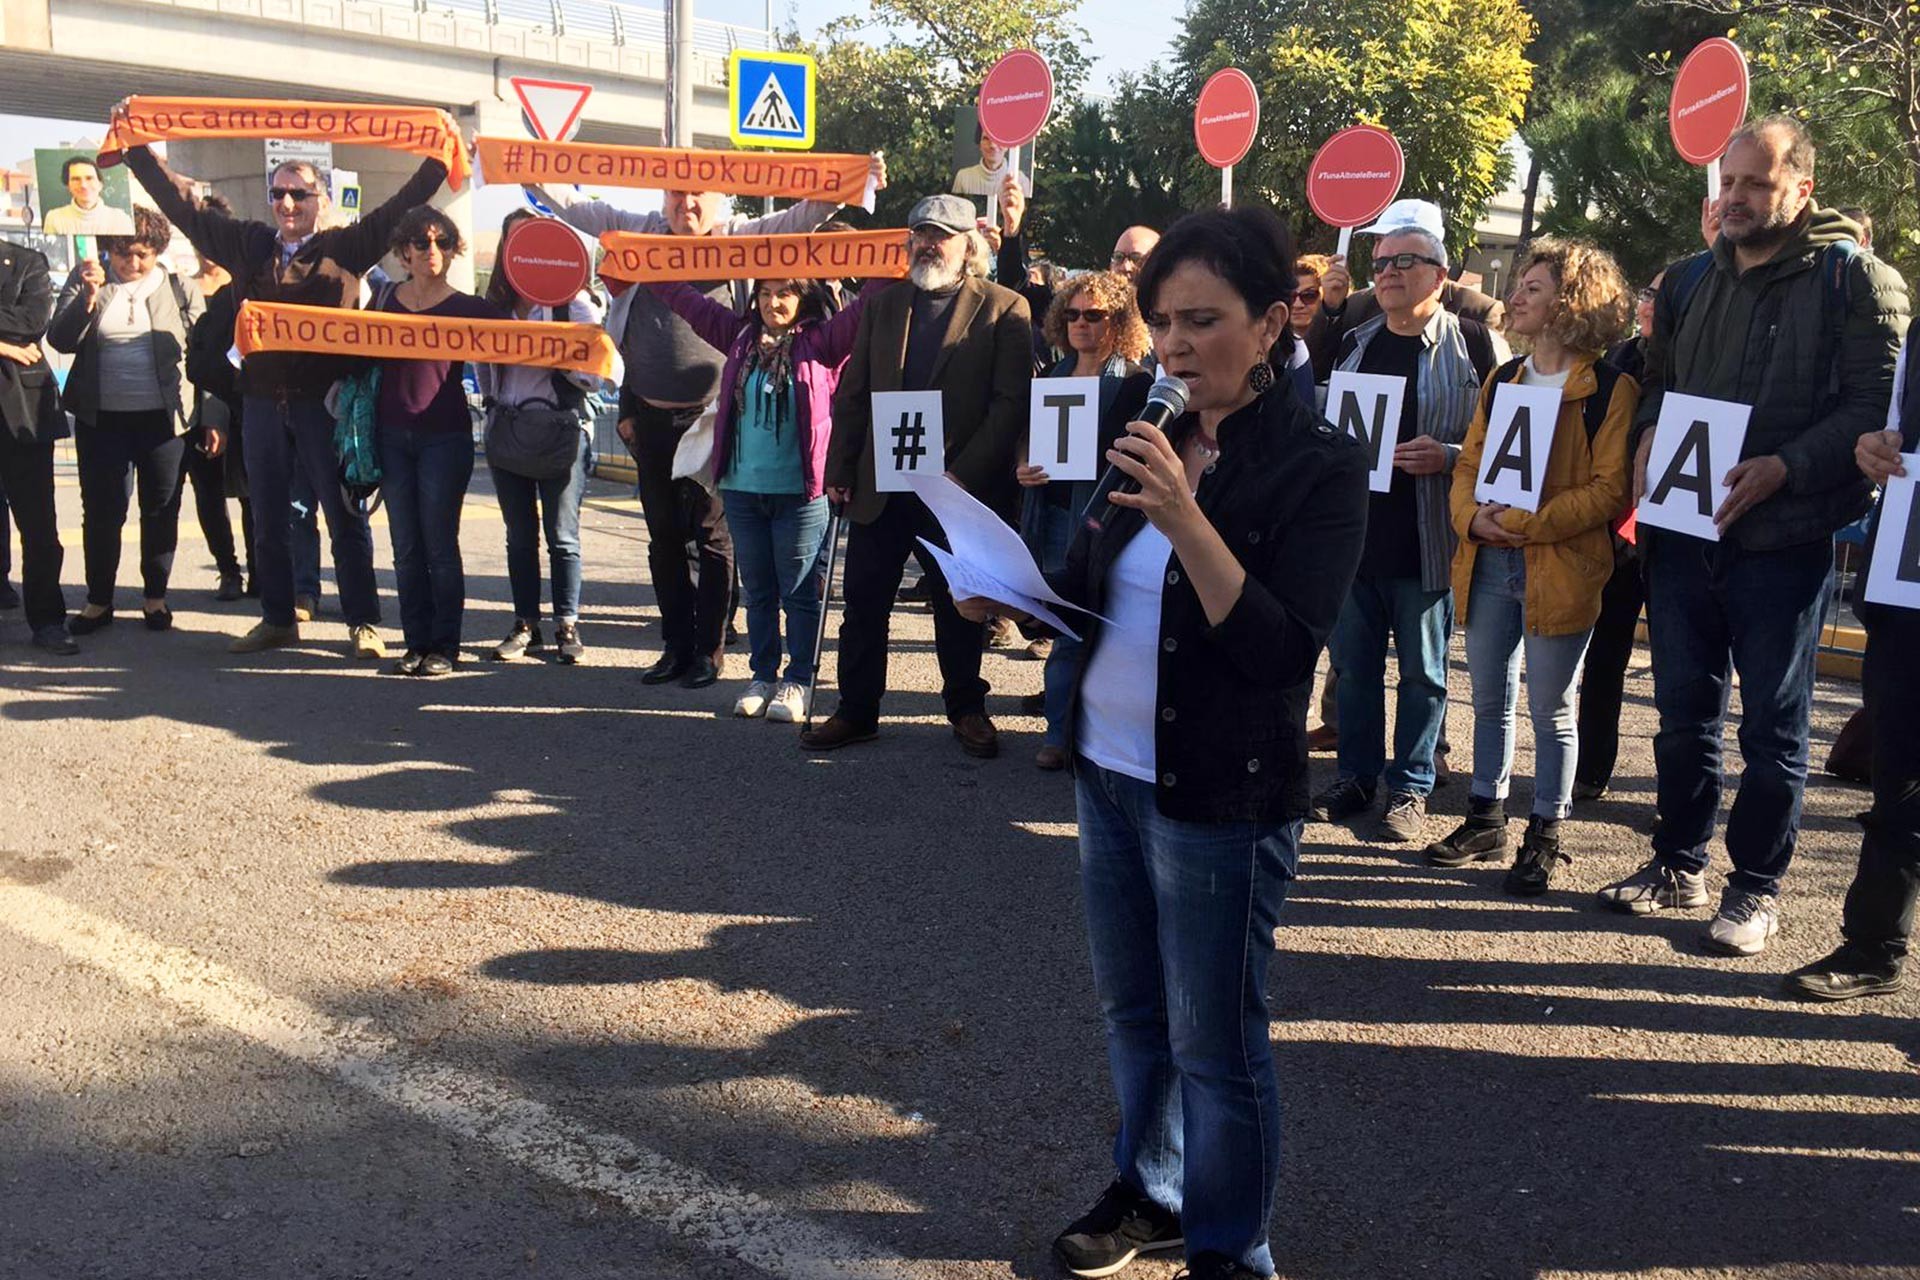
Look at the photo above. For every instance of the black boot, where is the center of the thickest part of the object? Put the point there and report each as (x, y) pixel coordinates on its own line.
(1481, 838)
(1849, 973)
(1540, 856)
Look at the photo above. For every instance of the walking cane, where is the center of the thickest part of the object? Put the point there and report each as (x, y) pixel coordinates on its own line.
(826, 607)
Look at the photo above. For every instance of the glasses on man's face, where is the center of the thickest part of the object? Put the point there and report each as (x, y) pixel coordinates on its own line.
(1405, 261)
(295, 194)
(1126, 259)
(424, 243)
(1307, 295)
(1092, 315)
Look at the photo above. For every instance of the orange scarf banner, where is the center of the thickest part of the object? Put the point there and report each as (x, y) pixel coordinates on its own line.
(386, 335)
(838, 179)
(846, 255)
(420, 131)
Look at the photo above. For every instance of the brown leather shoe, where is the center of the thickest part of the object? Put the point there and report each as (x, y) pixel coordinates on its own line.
(834, 734)
(1325, 738)
(1050, 758)
(977, 735)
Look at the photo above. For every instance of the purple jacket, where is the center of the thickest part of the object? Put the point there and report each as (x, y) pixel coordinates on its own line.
(820, 351)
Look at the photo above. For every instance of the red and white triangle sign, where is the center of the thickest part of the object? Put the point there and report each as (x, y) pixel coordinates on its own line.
(552, 107)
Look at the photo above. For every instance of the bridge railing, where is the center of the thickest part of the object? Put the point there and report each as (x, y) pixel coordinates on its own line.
(616, 23)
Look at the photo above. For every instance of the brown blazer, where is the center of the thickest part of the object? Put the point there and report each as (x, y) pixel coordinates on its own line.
(983, 373)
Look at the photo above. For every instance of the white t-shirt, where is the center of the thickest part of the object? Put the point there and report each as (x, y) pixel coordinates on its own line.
(1532, 377)
(1121, 692)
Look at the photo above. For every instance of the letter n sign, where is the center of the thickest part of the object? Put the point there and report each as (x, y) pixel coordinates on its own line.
(1063, 437)
(1513, 458)
(1695, 443)
(1367, 407)
(1894, 576)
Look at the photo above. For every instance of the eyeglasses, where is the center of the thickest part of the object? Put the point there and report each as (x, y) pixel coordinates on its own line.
(424, 243)
(1405, 261)
(1307, 295)
(1092, 315)
(1121, 259)
(931, 233)
(1649, 293)
(295, 194)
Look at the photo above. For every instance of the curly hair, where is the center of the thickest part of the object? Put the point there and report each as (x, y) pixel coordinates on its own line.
(421, 219)
(1125, 329)
(150, 229)
(1593, 307)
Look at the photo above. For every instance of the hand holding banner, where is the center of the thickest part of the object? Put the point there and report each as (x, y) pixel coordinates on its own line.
(1513, 460)
(1367, 407)
(420, 131)
(847, 255)
(837, 179)
(1063, 439)
(1695, 443)
(390, 335)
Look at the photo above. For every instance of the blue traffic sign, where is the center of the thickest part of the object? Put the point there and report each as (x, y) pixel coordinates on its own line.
(770, 97)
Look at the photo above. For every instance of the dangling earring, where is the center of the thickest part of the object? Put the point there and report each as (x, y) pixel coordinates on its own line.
(1260, 378)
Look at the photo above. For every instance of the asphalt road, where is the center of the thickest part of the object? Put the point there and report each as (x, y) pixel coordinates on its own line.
(310, 971)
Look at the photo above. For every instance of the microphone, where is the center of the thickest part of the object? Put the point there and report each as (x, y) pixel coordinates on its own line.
(1165, 403)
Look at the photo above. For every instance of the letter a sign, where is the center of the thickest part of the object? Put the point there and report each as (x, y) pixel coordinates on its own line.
(1367, 407)
(1064, 439)
(909, 438)
(1513, 463)
(770, 99)
(1695, 443)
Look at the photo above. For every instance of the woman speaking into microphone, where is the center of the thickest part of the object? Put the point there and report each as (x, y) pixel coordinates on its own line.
(1222, 571)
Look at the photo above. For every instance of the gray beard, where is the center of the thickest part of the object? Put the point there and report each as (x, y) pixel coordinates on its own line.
(933, 277)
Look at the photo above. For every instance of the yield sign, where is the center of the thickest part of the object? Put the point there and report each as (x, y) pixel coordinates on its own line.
(553, 107)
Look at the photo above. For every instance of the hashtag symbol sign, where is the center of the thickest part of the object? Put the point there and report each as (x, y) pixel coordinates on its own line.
(909, 443)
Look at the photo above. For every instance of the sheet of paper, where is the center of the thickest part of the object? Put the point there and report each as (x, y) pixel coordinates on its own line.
(1695, 443)
(982, 539)
(1894, 576)
(964, 580)
(1513, 459)
(1367, 407)
(1063, 432)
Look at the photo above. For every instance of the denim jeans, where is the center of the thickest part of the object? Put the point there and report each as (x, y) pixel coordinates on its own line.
(1417, 622)
(303, 534)
(529, 506)
(1180, 920)
(1496, 633)
(1051, 528)
(776, 544)
(425, 480)
(1714, 609)
(285, 438)
(118, 452)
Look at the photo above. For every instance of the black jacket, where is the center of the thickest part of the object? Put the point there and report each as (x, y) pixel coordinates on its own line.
(1289, 497)
(29, 396)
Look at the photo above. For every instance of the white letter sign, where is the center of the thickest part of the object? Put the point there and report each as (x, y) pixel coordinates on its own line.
(1367, 407)
(1894, 576)
(909, 438)
(1513, 459)
(1695, 443)
(1064, 437)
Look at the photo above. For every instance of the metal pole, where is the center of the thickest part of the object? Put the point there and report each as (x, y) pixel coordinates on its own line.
(680, 74)
(826, 607)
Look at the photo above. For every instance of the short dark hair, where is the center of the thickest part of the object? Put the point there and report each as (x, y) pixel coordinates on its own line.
(66, 167)
(1250, 248)
(150, 228)
(421, 219)
(1799, 152)
(816, 300)
(214, 202)
(312, 172)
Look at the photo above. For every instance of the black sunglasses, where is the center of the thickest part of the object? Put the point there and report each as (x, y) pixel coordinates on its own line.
(424, 243)
(1308, 295)
(1092, 315)
(1137, 259)
(295, 194)
(1405, 261)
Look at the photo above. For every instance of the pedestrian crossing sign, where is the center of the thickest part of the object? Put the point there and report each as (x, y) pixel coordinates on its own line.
(770, 99)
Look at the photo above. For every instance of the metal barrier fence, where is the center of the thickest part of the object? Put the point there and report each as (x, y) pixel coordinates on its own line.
(614, 23)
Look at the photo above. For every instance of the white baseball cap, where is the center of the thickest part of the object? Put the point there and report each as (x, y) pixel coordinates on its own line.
(1424, 214)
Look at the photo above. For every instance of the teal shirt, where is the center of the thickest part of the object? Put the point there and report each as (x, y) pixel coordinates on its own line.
(765, 457)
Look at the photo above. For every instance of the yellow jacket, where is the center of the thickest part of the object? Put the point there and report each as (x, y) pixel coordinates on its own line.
(1569, 548)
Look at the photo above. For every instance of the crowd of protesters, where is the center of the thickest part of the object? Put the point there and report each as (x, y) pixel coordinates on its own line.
(1218, 558)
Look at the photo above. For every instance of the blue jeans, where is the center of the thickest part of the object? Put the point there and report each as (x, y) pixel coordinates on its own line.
(527, 507)
(283, 438)
(1417, 622)
(1496, 632)
(776, 545)
(1051, 529)
(1180, 920)
(425, 481)
(303, 534)
(1714, 609)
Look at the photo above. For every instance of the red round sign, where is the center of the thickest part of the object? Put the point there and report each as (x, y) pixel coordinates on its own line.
(545, 260)
(1016, 98)
(1355, 175)
(1709, 100)
(1226, 119)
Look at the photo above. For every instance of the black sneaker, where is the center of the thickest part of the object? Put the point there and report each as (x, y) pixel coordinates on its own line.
(1341, 801)
(1122, 1225)
(1540, 856)
(231, 587)
(1216, 1266)
(566, 639)
(523, 637)
(1847, 974)
(1481, 838)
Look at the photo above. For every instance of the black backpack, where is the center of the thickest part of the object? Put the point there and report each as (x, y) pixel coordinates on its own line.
(1593, 413)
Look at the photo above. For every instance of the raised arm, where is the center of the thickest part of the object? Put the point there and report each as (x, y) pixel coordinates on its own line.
(214, 236)
(716, 325)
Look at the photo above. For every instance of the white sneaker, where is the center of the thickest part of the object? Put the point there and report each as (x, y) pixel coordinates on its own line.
(789, 705)
(754, 701)
(1656, 887)
(1744, 922)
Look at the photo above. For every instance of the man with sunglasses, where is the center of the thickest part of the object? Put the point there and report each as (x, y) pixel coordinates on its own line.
(955, 333)
(1402, 593)
(287, 426)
